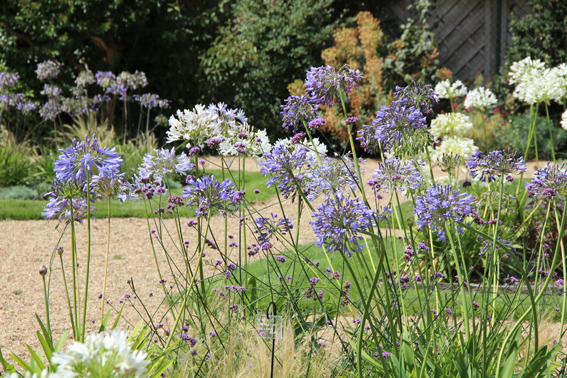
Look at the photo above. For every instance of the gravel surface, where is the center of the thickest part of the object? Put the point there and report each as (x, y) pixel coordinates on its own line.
(26, 245)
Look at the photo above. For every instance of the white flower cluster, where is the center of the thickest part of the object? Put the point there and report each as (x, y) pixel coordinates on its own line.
(445, 89)
(219, 127)
(197, 126)
(101, 355)
(536, 83)
(242, 139)
(464, 147)
(564, 120)
(480, 98)
(320, 148)
(451, 125)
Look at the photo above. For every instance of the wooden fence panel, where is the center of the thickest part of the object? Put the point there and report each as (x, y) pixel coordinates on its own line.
(472, 34)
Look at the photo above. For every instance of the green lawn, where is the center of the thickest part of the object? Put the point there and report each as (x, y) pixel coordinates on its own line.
(15, 209)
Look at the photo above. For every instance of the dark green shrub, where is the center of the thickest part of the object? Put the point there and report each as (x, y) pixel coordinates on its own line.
(517, 133)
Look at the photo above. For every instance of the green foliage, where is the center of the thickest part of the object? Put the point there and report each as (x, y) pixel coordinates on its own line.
(517, 137)
(14, 167)
(541, 35)
(18, 192)
(414, 54)
(159, 37)
(267, 45)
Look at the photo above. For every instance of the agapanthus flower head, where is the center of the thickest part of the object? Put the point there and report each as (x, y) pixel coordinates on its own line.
(464, 147)
(392, 124)
(164, 161)
(326, 86)
(451, 125)
(497, 163)
(441, 205)
(105, 79)
(297, 111)
(106, 353)
(196, 126)
(47, 70)
(267, 227)
(51, 90)
(209, 194)
(241, 139)
(395, 175)
(338, 221)
(330, 175)
(7, 79)
(86, 157)
(564, 120)
(444, 89)
(61, 207)
(85, 78)
(549, 181)
(480, 98)
(26, 107)
(50, 110)
(151, 100)
(522, 70)
(417, 95)
(450, 161)
(285, 164)
(535, 82)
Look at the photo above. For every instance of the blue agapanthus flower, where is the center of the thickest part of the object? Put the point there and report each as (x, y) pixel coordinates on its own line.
(86, 157)
(549, 181)
(394, 175)
(338, 222)
(284, 164)
(69, 197)
(496, 164)
(326, 85)
(418, 96)
(442, 205)
(391, 125)
(331, 175)
(296, 111)
(212, 195)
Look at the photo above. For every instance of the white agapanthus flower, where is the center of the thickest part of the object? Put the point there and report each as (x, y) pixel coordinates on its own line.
(536, 83)
(451, 125)
(319, 149)
(480, 98)
(521, 71)
(243, 139)
(102, 355)
(196, 126)
(454, 145)
(445, 89)
(564, 120)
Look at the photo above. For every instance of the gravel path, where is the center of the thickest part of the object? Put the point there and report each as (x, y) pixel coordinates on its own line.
(26, 245)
